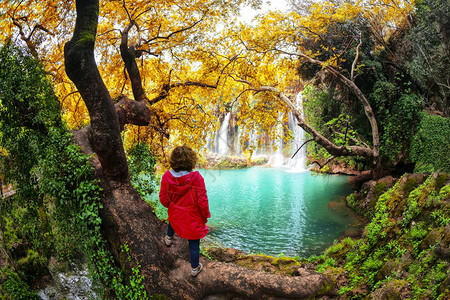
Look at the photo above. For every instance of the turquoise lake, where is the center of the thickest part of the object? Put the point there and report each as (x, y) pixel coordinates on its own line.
(274, 211)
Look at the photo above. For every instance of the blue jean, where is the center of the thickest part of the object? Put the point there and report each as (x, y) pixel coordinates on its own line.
(194, 248)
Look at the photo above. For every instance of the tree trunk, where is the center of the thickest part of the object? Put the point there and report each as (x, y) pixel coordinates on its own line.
(127, 219)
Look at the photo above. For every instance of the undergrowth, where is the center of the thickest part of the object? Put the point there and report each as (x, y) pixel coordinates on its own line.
(401, 251)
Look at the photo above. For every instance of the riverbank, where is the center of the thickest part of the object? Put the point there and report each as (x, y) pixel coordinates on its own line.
(214, 161)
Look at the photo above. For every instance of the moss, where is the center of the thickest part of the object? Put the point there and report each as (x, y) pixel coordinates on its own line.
(410, 185)
(284, 261)
(261, 257)
(444, 193)
(379, 189)
(327, 286)
(255, 261)
(444, 287)
(441, 179)
(33, 265)
(16, 288)
(334, 272)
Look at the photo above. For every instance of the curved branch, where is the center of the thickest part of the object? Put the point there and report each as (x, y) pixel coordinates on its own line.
(69, 94)
(352, 76)
(326, 163)
(304, 143)
(129, 58)
(174, 32)
(332, 148)
(38, 26)
(132, 112)
(31, 46)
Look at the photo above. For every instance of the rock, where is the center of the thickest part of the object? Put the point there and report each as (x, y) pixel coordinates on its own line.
(367, 196)
(393, 290)
(225, 255)
(336, 274)
(387, 269)
(303, 272)
(3, 261)
(431, 239)
(446, 236)
(444, 287)
(353, 233)
(335, 205)
(443, 252)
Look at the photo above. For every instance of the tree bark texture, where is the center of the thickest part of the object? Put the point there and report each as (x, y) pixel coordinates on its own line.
(127, 219)
(82, 70)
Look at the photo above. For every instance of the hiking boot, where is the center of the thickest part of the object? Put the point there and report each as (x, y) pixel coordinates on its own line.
(168, 240)
(194, 272)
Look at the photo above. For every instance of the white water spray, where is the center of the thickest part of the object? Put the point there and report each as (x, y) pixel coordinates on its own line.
(297, 163)
(222, 136)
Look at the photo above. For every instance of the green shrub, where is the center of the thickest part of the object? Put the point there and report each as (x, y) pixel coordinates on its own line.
(16, 288)
(430, 147)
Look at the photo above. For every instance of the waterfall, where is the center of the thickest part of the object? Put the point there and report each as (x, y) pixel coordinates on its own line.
(278, 158)
(297, 163)
(228, 137)
(222, 136)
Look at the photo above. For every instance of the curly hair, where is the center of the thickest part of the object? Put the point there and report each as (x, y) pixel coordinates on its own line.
(183, 158)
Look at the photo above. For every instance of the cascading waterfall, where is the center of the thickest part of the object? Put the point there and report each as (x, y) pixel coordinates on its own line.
(225, 140)
(277, 158)
(297, 163)
(222, 136)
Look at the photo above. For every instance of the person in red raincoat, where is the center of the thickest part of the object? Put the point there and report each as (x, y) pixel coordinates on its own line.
(183, 192)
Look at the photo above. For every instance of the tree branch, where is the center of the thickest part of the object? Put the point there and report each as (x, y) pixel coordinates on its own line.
(352, 76)
(328, 161)
(167, 87)
(129, 57)
(304, 143)
(332, 148)
(31, 46)
(174, 32)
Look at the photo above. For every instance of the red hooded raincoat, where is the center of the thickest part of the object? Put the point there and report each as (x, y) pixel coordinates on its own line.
(187, 203)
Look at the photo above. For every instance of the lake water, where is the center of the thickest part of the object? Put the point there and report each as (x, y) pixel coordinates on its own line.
(274, 211)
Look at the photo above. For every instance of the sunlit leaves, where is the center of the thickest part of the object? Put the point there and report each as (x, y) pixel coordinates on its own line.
(180, 41)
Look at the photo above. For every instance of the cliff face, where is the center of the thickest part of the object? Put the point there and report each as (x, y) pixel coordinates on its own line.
(404, 250)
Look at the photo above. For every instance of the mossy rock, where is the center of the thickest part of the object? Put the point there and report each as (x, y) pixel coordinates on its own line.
(441, 179)
(444, 287)
(258, 262)
(378, 190)
(433, 237)
(410, 184)
(445, 233)
(444, 193)
(334, 273)
(226, 254)
(390, 267)
(393, 290)
(339, 250)
(284, 261)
